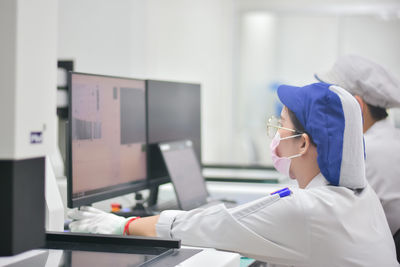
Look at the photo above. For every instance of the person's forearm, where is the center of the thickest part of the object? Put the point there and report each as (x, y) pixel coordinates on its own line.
(144, 226)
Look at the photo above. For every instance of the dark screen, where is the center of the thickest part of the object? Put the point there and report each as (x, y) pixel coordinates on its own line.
(185, 172)
(133, 119)
(174, 113)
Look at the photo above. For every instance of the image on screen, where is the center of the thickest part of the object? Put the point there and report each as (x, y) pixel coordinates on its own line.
(107, 135)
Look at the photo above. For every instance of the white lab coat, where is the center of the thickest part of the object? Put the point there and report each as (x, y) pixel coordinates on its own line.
(382, 145)
(318, 226)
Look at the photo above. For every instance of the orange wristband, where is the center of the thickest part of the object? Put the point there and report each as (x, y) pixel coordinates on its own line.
(126, 228)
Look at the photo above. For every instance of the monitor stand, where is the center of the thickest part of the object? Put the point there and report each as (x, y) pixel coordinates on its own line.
(153, 197)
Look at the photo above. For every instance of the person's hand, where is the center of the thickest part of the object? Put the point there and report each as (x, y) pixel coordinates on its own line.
(95, 221)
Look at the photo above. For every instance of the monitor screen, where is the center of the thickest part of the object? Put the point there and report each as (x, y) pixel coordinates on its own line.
(185, 171)
(107, 137)
(173, 113)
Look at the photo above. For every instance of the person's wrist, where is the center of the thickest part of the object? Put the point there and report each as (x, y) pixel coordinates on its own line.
(120, 229)
(126, 228)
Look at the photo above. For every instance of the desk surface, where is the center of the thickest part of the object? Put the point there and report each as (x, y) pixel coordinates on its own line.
(212, 257)
(56, 257)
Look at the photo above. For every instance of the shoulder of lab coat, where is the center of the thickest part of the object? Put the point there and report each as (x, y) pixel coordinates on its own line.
(382, 145)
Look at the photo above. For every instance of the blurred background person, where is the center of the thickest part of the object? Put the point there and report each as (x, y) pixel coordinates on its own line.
(376, 89)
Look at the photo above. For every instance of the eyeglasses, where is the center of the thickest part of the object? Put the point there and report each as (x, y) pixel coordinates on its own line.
(274, 124)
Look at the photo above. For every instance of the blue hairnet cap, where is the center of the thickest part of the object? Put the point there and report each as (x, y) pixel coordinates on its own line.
(322, 111)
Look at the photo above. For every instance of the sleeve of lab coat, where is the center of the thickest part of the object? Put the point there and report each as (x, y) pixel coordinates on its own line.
(269, 229)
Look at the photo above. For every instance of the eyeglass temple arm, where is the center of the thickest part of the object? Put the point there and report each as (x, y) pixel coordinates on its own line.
(284, 128)
(291, 136)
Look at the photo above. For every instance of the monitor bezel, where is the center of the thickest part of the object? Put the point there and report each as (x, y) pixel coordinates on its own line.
(105, 192)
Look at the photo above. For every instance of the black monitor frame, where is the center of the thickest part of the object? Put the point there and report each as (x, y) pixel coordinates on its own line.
(103, 193)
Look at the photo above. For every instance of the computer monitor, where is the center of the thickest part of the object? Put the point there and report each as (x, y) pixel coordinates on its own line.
(107, 137)
(173, 113)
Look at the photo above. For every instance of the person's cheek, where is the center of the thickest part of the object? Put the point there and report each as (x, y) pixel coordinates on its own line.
(280, 151)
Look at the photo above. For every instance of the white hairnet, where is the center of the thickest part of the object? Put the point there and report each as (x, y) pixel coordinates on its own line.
(360, 76)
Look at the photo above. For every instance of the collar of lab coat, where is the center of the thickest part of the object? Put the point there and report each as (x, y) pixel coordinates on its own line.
(378, 126)
(318, 180)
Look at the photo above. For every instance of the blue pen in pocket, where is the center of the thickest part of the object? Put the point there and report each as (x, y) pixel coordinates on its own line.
(282, 192)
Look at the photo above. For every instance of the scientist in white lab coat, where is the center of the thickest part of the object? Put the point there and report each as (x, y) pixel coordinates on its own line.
(334, 218)
(376, 90)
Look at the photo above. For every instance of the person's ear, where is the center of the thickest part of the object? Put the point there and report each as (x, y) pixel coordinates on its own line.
(360, 102)
(305, 143)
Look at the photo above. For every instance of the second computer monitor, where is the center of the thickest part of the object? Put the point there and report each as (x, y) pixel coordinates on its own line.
(107, 137)
(173, 113)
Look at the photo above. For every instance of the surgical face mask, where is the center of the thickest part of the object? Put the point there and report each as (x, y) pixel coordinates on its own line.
(282, 164)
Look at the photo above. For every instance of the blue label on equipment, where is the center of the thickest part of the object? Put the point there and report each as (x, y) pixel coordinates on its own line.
(36, 138)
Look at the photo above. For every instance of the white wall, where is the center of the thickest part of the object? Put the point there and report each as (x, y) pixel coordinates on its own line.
(315, 32)
(256, 69)
(307, 44)
(287, 42)
(96, 34)
(374, 37)
(192, 41)
(172, 40)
